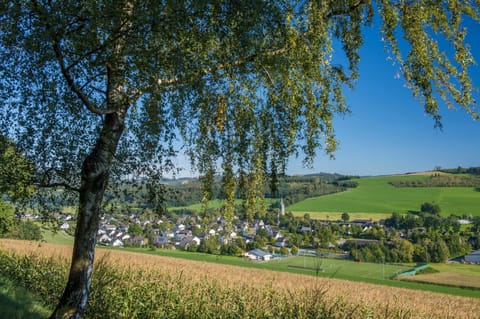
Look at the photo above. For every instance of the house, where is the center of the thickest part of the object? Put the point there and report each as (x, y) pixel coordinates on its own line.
(473, 257)
(362, 222)
(160, 240)
(155, 231)
(117, 243)
(109, 228)
(273, 232)
(123, 227)
(305, 229)
(188, 241)
(258, 254)
(281, 242)
(168, 234)
(180, 235)
(137, 241)
(65, 226)
(104, 239)
(180, 227)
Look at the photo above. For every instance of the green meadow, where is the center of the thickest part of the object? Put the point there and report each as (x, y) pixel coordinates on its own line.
(18, 302)
(375, 195)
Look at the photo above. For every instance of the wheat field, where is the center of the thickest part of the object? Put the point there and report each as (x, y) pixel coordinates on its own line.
(204, 280)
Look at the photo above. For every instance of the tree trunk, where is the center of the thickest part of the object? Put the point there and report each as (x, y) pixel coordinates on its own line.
(95, 172)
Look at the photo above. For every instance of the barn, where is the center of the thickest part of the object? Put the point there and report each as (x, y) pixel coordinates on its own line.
(473, 257)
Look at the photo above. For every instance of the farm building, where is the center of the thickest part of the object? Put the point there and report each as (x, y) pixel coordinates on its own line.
(257, 254)
(473, 257)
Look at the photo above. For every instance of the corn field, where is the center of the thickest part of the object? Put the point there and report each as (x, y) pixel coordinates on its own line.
(131, 285)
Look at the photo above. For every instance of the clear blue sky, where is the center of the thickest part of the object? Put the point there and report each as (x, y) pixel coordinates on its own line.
(388, 132)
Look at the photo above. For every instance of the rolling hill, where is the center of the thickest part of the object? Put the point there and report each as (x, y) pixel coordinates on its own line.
(376, 196)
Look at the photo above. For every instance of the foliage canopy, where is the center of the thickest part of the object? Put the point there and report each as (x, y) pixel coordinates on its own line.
(98, 91)
(247, 83)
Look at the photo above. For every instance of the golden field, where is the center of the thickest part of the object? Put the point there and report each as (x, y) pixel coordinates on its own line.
(448, 278)
(371, 301)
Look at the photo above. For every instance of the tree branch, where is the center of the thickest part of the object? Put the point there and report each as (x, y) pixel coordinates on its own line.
(73, 86)
(55, 185)
(65, 69)
(222, 66)
(343, 10)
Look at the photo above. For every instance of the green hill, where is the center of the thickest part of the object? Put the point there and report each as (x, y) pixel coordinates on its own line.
(376, 196)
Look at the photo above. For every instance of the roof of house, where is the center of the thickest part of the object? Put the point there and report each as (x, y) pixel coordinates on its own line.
(474, 253)
(258, 252)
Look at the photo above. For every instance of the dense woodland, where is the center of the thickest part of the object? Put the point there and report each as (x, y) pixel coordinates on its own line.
(462, 170)
(189, 191)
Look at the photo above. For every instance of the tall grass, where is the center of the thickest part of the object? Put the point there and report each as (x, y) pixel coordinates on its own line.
(127, 285)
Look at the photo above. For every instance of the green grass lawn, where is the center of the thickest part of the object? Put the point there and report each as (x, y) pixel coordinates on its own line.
(60, 237)
(18, 303)
(375, 195)
(216, 204)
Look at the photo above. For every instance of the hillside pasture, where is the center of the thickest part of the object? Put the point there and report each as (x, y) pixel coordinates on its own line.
(375, 195)
(178, 288)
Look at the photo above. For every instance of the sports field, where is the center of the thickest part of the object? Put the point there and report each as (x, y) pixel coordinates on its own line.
(376, 196)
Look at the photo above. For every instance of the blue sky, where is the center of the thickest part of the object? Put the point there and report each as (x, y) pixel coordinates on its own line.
(388, 132)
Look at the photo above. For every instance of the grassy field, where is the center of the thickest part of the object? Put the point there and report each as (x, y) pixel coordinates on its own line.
(17, 302)
(376, 196)
(60, 237)
(215, 204)
(171, 287)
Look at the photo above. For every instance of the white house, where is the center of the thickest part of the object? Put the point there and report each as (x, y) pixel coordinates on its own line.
(473, 257)
(65, 226)
(104, 239)
(117, 243)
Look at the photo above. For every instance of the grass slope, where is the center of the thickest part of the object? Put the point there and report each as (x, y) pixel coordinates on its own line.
(17, 302)
(59, 238)
(376, 196)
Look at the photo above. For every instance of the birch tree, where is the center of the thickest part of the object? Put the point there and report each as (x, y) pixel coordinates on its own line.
(95, 92)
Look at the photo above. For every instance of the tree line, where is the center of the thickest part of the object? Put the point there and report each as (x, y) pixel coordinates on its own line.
(438, 180)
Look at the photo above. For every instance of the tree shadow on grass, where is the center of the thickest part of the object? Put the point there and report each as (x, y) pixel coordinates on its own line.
(18, 303)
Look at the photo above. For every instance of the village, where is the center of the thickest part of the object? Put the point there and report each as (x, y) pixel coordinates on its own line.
(257, 240)
(269, 238)
(424, 237)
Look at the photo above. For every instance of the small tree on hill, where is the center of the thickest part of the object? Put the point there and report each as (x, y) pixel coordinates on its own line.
(431, 208)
